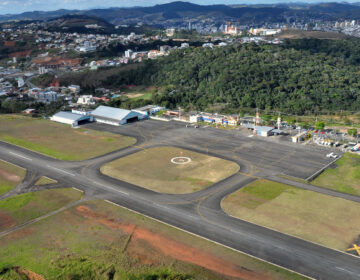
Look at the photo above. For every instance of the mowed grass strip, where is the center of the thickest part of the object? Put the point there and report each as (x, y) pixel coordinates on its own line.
(153, 169)
(59, 140)
(345, 178)
(10, 176)
(97, 239)
(25, 207)
(326, 220)
(45, 181)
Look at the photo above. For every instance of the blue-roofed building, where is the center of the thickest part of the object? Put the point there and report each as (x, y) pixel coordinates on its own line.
(116, 116)
(71, 118)
(264, 130)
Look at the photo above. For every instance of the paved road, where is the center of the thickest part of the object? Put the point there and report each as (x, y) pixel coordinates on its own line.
(313, 188)
(200, 212)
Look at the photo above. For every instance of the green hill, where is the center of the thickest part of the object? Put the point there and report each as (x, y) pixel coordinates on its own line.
(298, 76)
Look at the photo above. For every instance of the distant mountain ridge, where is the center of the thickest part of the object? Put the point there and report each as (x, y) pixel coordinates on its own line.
(176, 11)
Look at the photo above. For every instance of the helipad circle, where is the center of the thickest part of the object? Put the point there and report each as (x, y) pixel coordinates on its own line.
(181, 160)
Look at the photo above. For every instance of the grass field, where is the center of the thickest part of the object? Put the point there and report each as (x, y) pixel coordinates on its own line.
(97, 240)
(153, 169)
(25, 207)
(140, 92)
(345, 178)
(299, 34)
(45, 181)
(337, 121)
(10, 176)
(58, 140)
(319, 218)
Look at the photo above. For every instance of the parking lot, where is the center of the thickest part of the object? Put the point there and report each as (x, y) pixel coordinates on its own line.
(257, 155)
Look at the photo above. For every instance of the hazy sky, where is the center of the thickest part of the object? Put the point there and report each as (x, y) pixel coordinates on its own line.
(19, 6)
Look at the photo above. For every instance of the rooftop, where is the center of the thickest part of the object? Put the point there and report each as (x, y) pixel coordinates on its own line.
(69, 116)
(263, 128)
(110, 112)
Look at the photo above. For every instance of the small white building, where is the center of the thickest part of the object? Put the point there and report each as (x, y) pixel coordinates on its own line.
(184, 45)
(170, 32)
(128, 53)
(20, 82)
(71, 118)
(149, 109)
(81, 112)
(196, 118)
(298, 137)
(74, 88)
(86, 100)
(44, 96)
(264, 131)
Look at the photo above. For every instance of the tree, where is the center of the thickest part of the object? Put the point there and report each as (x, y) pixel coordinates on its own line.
(320, 125)
(299, 76)
(352, 132)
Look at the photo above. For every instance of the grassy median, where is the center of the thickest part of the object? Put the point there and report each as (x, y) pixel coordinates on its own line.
(45, 181)
(25, 207)
(59, 140)
(97, 240)
(10, 176)
(345, 178)
(319, 218)
(153, 169)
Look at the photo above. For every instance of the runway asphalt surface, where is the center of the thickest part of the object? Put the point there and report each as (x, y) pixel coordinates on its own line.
(200, 212)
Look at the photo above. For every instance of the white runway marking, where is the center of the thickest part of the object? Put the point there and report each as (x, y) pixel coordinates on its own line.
(63, 171)
(20, 156)
(111, 188)
(348, 271)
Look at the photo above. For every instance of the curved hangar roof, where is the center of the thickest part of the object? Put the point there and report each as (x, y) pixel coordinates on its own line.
(116, 114)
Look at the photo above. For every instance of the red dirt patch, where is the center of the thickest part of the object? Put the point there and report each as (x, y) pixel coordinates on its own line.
(6, 221)
(20, 54)
(140, 249)
(20, 233)
(30, 275)
(9, 44)
(171, 248)
(9, 176)
(57, 60)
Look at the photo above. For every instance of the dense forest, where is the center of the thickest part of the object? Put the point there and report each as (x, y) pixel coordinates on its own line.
(15, 106)
(298, 76)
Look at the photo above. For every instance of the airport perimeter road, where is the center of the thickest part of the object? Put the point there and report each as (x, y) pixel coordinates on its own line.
(200, 213)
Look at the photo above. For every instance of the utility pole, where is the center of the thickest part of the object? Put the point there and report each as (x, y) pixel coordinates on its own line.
(257, 120)
(279, 121)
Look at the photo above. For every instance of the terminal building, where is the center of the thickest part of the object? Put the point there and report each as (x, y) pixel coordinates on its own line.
(149, 110)
(116, 116)
(264, 131)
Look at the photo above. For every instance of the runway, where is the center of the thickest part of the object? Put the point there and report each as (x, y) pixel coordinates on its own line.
(200, 212)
